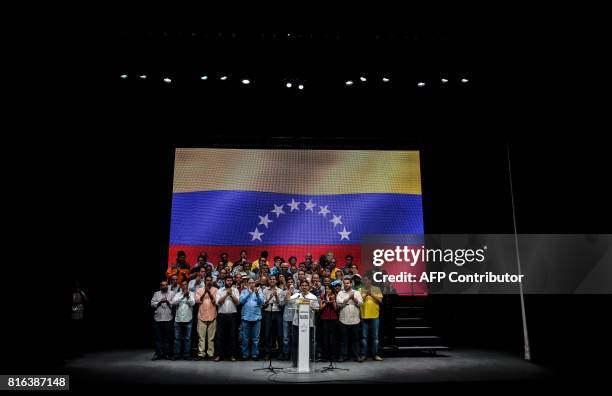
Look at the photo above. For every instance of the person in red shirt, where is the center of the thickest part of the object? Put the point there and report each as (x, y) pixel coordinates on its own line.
(329, 323)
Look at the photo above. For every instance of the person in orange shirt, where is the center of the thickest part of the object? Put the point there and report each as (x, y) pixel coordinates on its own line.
(207, 318)
(180, 268)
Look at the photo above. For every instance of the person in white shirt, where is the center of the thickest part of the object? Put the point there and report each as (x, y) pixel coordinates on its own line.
(349, 301)
(162, 304)
(274, 300)
(184, 300)
(227, 315)
(303, 295)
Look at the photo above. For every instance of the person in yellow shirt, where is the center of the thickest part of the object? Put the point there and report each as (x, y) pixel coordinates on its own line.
(372, 297)
(263, 258)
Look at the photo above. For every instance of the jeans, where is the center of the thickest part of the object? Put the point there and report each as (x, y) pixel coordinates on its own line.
(182, 332)
(250, 331)
(369, 328)
(287, 329)
(273, 327)
(226, 334)
(350, 333)
(328, 332)
(163, 332)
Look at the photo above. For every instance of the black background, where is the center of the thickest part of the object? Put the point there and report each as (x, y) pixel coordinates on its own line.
(534, 77)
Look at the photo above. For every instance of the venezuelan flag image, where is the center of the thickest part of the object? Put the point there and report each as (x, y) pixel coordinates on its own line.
(291, 202)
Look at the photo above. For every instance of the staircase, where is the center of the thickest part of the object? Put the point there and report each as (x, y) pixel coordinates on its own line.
(406, 330)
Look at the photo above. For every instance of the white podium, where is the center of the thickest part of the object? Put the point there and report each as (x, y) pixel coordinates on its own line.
(303, 361)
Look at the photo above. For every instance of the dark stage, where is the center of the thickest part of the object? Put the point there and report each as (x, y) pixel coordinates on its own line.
(465, 365)
(139, 94)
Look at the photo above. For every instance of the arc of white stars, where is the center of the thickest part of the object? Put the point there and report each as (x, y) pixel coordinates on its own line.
(265, 220)
(294, 205)
(344, 234)
(323, 210)
(256, 235)
(310, 205)
(278, 209)
(336, 220)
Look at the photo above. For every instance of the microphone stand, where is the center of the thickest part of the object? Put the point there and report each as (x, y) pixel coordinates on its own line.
(331, 366)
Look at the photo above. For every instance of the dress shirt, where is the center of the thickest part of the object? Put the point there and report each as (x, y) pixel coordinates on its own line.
(349, 309)
(184, 312)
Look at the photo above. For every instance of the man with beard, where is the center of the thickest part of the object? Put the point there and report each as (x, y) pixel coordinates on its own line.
(162, 304)
(349, 301)
(227, 298)
(221, 278)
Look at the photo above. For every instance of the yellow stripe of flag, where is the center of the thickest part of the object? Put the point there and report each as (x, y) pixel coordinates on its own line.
(315, 172)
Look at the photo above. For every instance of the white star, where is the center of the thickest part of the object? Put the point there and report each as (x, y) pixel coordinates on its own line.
(265, 220)
(256, 234)
(324, 211)
(344, 234)
(310, 205)
(336, 220)
(278, 209)
(294, 205)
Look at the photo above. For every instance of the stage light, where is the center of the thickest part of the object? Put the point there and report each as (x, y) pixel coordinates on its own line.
(167, 80)
(300, 86)
(444, 81)
(385, 79)
(124, 76)
(246, 82)
(362, 78)
(223, 78)
(420, 84)
(204, 78)
(464, 80)
(288, 85)
(143, 76)
(349, 82)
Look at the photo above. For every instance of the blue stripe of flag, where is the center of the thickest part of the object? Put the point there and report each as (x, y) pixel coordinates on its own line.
(227, 217)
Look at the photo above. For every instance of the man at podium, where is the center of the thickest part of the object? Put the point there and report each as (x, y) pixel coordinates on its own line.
(302, 297)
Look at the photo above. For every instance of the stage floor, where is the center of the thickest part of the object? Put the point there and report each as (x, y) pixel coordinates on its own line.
(136, 367)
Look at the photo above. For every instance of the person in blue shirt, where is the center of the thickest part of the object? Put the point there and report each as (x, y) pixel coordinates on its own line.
(251, 300)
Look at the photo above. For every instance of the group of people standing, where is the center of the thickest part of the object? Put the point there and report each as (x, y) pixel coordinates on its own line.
(223, 311)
